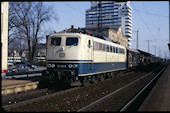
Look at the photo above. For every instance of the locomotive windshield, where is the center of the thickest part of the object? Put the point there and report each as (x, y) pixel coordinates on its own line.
(56, 41)
(71, 41)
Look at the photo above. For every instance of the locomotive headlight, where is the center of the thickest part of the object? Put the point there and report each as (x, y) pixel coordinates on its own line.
(72, 73)
(61, 54)
(70, 66)
(50, 65)
(75, 66)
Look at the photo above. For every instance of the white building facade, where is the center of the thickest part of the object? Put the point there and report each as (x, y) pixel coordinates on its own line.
(4, 36)
(113, 14)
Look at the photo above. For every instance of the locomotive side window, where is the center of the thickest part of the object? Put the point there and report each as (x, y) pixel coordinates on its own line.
(96, 46)
(104, 47)
(121, 51)
(113, 49)
(107, 48)
(116, 50)
(56, 41)
(110, 48)
(71, 41)
(100, 46)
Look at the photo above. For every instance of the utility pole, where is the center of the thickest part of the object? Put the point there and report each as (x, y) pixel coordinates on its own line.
(148, 45)
(155, 50)
(137, 39)
(100, 19)
(159, 52)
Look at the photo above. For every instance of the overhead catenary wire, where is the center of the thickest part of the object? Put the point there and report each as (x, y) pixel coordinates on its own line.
(152, 20)
(74, 8)
(144, 22)
(68, 19)
(160, 42)
(154, 23)
(151, 13)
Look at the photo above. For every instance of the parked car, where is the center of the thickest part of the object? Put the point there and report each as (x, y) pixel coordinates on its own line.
(32, 66)
(19, 68)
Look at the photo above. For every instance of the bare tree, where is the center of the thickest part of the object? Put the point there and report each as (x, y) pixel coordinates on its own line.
(26, 23)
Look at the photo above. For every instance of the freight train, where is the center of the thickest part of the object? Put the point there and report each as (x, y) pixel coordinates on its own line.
(80, 57)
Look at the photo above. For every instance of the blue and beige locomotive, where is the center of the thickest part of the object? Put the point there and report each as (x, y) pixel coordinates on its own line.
(77, 56)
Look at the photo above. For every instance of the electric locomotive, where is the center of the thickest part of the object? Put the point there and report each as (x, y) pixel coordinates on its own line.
(76, 56)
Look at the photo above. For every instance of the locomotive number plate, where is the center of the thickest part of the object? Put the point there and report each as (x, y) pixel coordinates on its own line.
(61, 54)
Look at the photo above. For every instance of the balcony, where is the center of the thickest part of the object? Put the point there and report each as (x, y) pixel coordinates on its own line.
(128, 24)
(129, 39)
(128, 34)
(129, 43)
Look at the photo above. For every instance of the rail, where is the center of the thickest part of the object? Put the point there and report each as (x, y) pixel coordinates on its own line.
(33, 100)
(114, 92)
(129, 105)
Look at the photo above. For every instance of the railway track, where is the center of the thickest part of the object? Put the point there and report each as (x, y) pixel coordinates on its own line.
(138, 99)
(8, 100)
(106, 103)
(11, 102)
(75, 98)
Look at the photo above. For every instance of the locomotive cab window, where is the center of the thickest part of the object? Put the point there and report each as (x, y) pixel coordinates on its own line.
(55, 41)
(71, 41)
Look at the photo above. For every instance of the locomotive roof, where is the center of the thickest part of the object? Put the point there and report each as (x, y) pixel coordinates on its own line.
(102, 38)
(107, 39)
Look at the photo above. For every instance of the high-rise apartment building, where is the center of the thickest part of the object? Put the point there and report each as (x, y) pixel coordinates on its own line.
(113, 14)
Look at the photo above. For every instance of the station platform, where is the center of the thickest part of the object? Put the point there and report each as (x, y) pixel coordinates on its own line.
(9, 82)
(10, 86)
(159, 97)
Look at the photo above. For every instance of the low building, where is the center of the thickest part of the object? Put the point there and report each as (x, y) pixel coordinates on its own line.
(41, 49)
(115, 33)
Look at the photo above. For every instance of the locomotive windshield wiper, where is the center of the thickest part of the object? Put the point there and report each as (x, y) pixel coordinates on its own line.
(73, 45)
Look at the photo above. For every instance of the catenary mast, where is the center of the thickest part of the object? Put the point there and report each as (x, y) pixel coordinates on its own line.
(169, 30)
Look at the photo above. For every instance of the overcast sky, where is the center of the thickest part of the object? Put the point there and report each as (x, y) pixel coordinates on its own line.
(150, 17)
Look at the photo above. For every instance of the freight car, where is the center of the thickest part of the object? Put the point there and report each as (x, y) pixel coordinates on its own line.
(133, 58)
